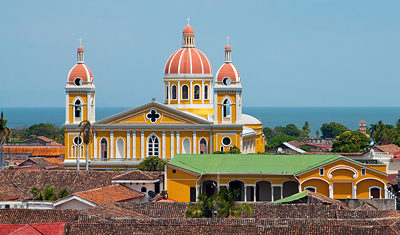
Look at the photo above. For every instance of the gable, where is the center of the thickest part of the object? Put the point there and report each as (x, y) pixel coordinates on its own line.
(153, 113)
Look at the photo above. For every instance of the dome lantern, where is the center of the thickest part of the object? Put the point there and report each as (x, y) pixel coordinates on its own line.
(80, 53)
(228, 51)
(188, 36)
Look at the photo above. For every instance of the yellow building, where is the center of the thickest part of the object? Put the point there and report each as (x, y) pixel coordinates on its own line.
(200, 114)
(272, 177)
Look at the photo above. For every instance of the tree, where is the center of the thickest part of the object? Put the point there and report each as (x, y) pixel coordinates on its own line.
(332, 129)
(351, 142)
(277, 140)
(306, 128)
(305, 148)
(383, 133)
(317, 133)
(87, 132)
(44, 129)
(49, 194)
(153, 163)
(203, 209)
(234, 150)
(291, 130)
(5, 134)
(225, 202)
(268, 132)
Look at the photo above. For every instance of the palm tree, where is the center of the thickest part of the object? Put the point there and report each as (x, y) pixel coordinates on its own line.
(5, 134)
(87, 131)
(49, 194)
(203, 209)
(226, 203)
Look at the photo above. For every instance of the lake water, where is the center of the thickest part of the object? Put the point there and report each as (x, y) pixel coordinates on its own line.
(270, 116)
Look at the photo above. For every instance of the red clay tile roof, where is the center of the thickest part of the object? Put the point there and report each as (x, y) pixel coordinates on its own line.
(294, 143)
(37, 151)
(362, 121)
(108, 194)
(136, 175)
(113, 211)
(9, 191)
(32, 229)
(389, 148)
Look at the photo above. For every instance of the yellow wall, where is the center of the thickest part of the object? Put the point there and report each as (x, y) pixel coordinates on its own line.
(321, 186)
(178, 185)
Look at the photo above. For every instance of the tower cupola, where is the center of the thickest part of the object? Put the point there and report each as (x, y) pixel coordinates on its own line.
(188, 36)
(228, 50)
(80, 55)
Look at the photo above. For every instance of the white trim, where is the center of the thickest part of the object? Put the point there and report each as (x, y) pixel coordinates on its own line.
(133, 144)
(176, 96)
(369, 178)
(142, 144)
(111, 144)
(128, 144)
(342, 167)
(323, 171)
(163, 145)
(365, 171)
(117, 148)
(170, 63)
(380, 191)
(69, 74)
(200, 145)
(315, 188)
(188, 93)
(314, 178)
(134, 181)
(201, 61)
(108, 148)
(80, 199)
(190, 61)
(237, 78)
(190, 145)
(180, 59)
(147, 145)
(194, 92)
(222, 141)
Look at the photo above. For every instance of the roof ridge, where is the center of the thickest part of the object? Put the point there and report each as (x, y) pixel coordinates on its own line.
(15, 185)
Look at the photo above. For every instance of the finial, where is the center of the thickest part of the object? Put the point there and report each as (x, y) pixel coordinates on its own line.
(188, 20)
(80, 41)
(227, 40)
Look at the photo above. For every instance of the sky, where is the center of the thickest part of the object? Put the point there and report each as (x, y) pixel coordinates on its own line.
(290, 53)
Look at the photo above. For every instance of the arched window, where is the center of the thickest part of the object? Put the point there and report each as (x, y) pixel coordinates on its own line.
(143, 189)
(78, 109)
(103, 148)
(166, 93)
(206, 92)
(185, 92)
(173, 89)
(120, 148)
(186, 146)
(226, 108)
(375, 192)
(153, 144)
(196, 92)
(203, 146)
(77, 142)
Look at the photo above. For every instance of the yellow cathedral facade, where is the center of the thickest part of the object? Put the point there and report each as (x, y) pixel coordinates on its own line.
(200, 114)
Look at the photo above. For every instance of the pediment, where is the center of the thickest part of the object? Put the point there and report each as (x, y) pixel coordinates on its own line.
(153, 113)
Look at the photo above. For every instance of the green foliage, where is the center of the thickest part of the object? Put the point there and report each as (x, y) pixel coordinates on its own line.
(219, 152)
(305, 148)
(48, 130)
(116, 169)
(268, 132)
(332, 130)
(351, 142)
(291, 130)
(11, 168)
(274, 141)
(306, 128)
(396, 142)
(49, 193)
(384, 133)
(234, 150)
(203, 209)
(225, 202)
(153, 163)
(5, 132)
(317, 133)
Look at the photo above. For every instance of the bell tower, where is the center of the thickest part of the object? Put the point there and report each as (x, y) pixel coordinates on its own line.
(227, 92)
(80, 92)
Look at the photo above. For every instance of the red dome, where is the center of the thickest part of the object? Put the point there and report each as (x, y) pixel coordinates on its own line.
(228, 70)
(188, 60)
(228, 47)
(80, 71)
(188, 30)
(80, 48)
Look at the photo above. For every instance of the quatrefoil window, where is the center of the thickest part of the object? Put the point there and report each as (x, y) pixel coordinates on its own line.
(153, 116)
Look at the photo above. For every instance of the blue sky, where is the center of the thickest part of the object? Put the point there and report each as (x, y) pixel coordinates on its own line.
(289, 53)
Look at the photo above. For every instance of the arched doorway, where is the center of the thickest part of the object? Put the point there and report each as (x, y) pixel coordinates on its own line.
(203, 146)
(210, 187)
(290, 188)
(186, 146)
(263, 191)
(120, 148)
(236, 184)
(103, 149)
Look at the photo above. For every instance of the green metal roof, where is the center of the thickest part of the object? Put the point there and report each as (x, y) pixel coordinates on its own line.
(292, 198)
(251, 163)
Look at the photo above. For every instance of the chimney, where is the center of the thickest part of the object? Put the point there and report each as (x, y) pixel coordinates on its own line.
(362, 126)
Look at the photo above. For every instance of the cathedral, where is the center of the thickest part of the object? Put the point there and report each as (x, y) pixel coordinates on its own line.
(200, 114)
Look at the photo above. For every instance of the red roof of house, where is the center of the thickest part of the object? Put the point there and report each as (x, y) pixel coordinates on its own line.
(362, 121)
(33, 229)
(37, 151)
(389, 148)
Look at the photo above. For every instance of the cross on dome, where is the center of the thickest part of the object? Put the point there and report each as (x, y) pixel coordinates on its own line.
(227, 40)
(80, 41)
(188, 20)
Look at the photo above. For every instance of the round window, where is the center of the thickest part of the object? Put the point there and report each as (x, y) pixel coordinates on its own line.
(226, 81)
(78, 81)
(78, 140)
(226, 141)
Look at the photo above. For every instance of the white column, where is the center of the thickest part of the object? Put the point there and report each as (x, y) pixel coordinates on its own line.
(111, 144)
(95, 145)
(237, 107)
(178, 140)
(169, 92)
(142, 145)
(194, 142)
(133, 144)
(128, 144)
(330, 191)
(88, 106)
(179, 92)
(66, 107)
(191, 92)
(281, 191)
(211, 92)
(215, 109)
(172, 144)
(255, 191)
(354, 192)
(163, 145)
(202, 92)
(245, 192)
(94, 108)
(211, 143)
(272, 193)
(386, 193)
